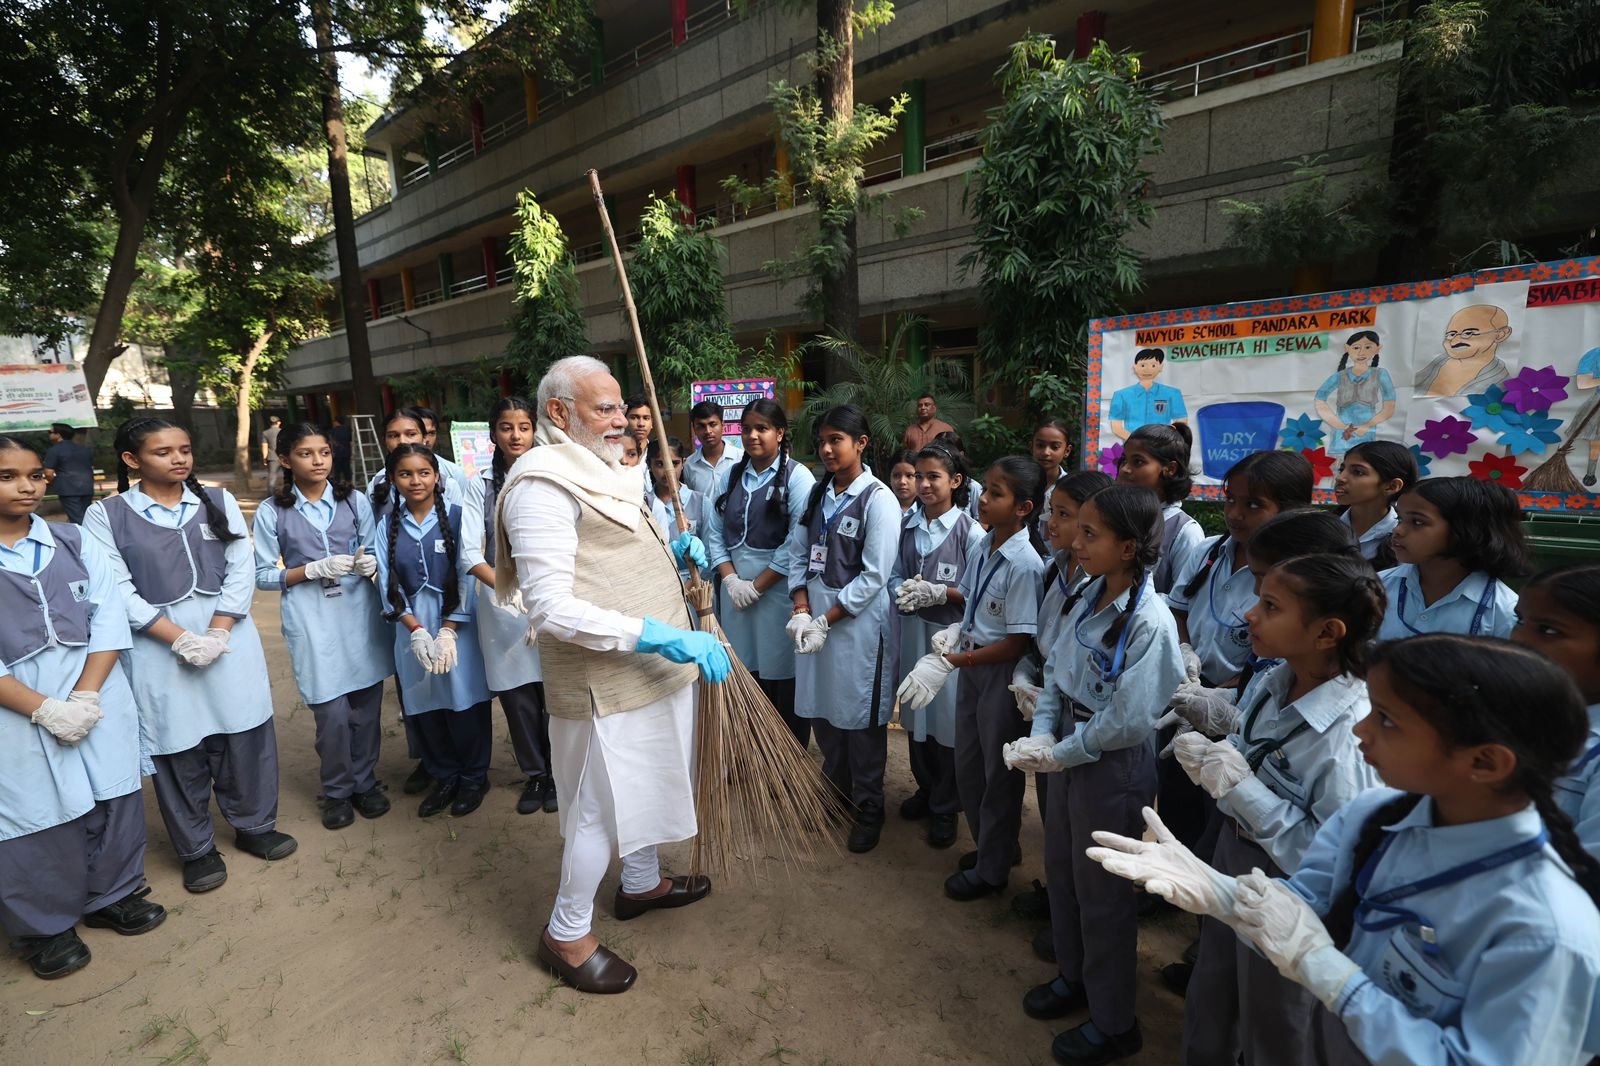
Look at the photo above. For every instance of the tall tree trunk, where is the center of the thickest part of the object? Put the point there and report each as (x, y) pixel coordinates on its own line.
(352, 292)
(836, 90)
(241, 407)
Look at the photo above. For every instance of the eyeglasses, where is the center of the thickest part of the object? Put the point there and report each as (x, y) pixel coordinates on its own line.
(604, 410)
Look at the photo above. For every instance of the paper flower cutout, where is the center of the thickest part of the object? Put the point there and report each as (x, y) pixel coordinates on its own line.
(1535, 389)
(1109, 458)
(1301, 432)
(1447, 436)
(1490, 410)
(1424, 464)
(1321, 463)
(1501, 468)
(1531, 432)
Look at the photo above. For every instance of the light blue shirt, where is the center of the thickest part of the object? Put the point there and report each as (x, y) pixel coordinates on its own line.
(1576, 792)
(1513, 977)
(1121, 713)
(1215, 615)
(1371, 541)
(1001, 587)
(1310, 760)
(1491, 602)
(703, 477)
(1136, 406)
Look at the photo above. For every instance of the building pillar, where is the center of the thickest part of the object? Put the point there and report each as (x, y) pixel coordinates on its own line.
(530, 97)
(1331, 29)
(387, 392)
(686, 194)
(491, 263)
(430, 149)
(475, 114)
(680, 22)
(447, 274)
(913, 152)
(374, 296)
(408, 287)
(1091, 27)
(597, 50)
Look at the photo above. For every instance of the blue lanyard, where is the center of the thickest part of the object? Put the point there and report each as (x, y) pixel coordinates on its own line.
(1109, 666)
(1383, 902)
(1477, 616)
(970, 614)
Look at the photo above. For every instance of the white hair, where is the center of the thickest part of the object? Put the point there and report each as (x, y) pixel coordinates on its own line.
(561, 380)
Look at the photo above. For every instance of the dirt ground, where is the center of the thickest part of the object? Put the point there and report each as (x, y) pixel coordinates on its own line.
(411, 942)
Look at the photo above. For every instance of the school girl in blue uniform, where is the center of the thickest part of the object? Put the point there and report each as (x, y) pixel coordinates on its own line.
(1451, 917)
(755, 509)
(1114, 667)
(1458, 541)
(72, 832)
(510, 663)
(840, 557)
(182, 557)
(1558, 615)
(428, 592)
(1291, 763)
(1156, 457)
(1371, 478)
(935, 542)
(660, 502)
(316, 543)
(1000, 589)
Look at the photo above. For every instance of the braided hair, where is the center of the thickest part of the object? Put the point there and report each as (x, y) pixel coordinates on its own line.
(1130, 513)
(778, 502)
(380, 492)
(287, 439)
(1026, 480)
(452, 589)
(1471, 691)
(505, 405)
(132, 434)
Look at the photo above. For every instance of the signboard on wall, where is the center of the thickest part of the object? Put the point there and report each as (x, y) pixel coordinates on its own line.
(36, 396)
(1494, 375)
(732, 397)
(472, 446)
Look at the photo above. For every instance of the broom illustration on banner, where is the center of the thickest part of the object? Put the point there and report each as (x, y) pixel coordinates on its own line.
(758, 795)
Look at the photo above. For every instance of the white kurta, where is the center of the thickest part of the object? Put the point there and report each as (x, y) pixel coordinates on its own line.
(648, 752)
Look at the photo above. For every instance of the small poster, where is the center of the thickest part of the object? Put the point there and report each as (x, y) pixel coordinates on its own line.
(732, 397)
(1493, 375)
(473, 446)
(38, 396)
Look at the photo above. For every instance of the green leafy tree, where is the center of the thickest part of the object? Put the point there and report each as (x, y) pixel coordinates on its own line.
(547, 322)
(1060, 185)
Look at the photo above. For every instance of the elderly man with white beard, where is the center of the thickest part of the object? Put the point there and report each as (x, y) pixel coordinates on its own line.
(621, 658)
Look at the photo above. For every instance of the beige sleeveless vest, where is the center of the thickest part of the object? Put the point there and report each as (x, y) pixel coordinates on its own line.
(629, 571)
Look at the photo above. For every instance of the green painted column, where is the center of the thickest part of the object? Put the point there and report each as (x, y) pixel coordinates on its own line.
(430, 148)
(597, 52)
(916, 128)
(447, 274)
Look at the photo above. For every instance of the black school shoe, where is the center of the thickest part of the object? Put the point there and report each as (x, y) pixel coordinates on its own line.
(205, 873)
(439, 800)
(129, 916)
(373, 803)
(532, 797)
(1075, 1047)
(468, 798)
(271, 845)
(337, 813)
(55, 956)
(418, 782)
(964, 886)
(942, 830)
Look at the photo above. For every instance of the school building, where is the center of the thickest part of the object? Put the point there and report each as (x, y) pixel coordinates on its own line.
(676, 100)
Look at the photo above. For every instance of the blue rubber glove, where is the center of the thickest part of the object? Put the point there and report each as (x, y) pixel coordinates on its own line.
(692, 546)
(686, 646)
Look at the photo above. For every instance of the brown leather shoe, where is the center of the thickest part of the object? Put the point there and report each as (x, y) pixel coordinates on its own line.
(684, 891)
(602, 973)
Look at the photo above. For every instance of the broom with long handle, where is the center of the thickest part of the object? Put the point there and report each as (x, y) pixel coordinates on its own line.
(757, 792)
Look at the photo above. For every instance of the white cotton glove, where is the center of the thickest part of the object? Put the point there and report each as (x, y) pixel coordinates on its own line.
(444, 651)
(68, 720)
(924, 681)
(799, 622)
(1030, 754)
(1191, 662)
(744, 594)
(1168, 869)
(422, 648)
(1291, 935)
(1210, 710)
(944, 642)
(813, 637)
(914, 594)
(1027, 698)
(1184, 729)
(363, 564)
(334, 566)
(1214, 765)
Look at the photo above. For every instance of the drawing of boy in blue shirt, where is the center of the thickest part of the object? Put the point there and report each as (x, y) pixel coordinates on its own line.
(1148, 401)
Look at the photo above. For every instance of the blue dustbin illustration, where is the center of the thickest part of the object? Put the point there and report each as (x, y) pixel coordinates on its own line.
(1231, 431)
